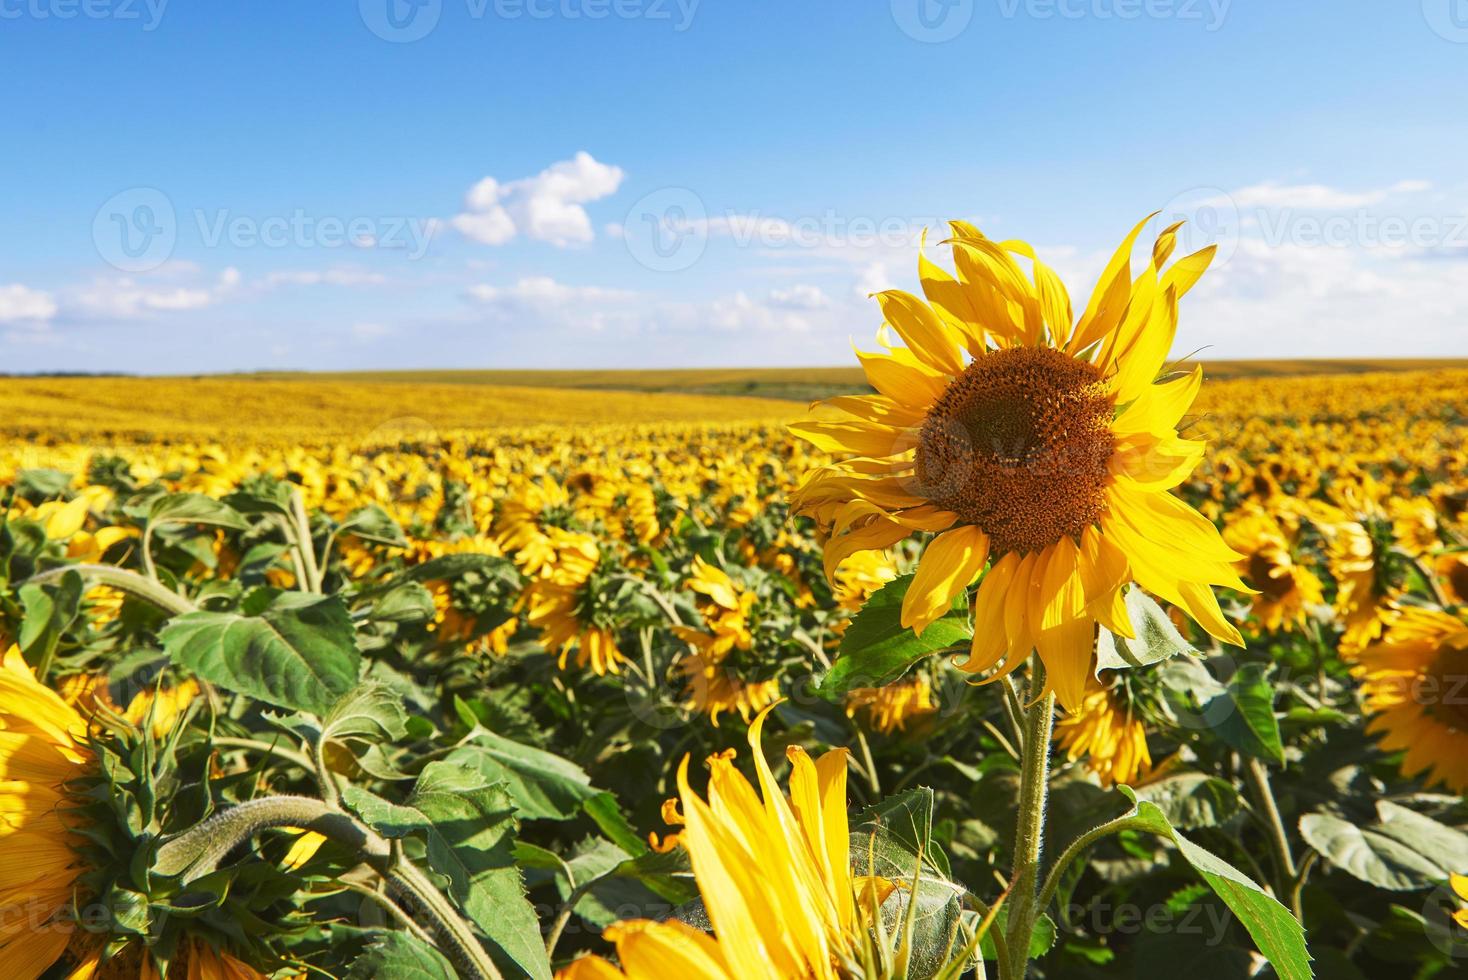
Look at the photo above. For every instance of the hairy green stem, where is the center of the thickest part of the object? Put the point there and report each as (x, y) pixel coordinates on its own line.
(199, 850)
(124, 580)
(1029, 833)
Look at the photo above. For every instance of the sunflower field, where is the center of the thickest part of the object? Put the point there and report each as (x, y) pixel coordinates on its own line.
(1040, 656)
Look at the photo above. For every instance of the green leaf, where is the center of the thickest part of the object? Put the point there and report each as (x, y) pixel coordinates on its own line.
(453, 566)
(194, 508)
(1403, 851)
(1042, 935)
(907, 818)
(49, 612)
(607, 814)
(41, 484)
(1249, 724)
(405, 602)
(1278, 934)
(371, 711)
(298, 654)
(1157, 639)
(1192, 800)
(476, 823)
(876, 649)
(401, 956)
(543, 786)
(372, 523)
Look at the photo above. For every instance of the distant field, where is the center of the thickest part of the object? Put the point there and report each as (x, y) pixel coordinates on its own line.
(805, 384)
(311, 409)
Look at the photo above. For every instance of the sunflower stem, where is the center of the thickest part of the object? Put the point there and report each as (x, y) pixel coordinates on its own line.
(122, 579)
(1029, 833)
(198, 851)
(1284, 861)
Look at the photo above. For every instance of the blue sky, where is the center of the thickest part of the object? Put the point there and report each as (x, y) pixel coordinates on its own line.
(226, 185)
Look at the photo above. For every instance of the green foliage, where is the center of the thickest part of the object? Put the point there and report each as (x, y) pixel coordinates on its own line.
(877, 649)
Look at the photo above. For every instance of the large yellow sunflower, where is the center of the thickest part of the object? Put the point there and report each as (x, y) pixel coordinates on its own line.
(42, 748)
(1415, 682)
(1035, 443)
(774, 874)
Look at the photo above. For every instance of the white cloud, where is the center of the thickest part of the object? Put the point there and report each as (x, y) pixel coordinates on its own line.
(799, 297)
(337, 276)
(874, 278)
(1301, 301)
(1312, 197)
(546, 207)
(126, 297)
(21, 303)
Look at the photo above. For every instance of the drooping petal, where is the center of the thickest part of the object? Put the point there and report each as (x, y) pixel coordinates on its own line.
(950, 563)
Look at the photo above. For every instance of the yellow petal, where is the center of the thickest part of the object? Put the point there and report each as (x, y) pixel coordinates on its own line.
(950, 563)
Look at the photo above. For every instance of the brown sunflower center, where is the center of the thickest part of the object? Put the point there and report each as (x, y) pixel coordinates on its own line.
(1262, 577)
(1446, 694)
(1018, 446)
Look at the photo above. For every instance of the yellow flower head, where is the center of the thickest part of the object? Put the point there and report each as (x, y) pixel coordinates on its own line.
(1033, 442)
(1112, 740)
(889, 709)
(1287, 590)
(42, 748)
(774, 874)
(1415, 683)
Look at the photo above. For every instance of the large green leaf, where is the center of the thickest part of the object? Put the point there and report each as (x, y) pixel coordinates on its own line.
(1192, 799)
(1403, 851)
(300, 653)
(543, 786)
(1248, 723)
(194, 508)
(477, 823)
(372, 523)
(403, 957)
(877, 649)
(469, 828)
(49, 612)
(1278, 934)
(1156, 638)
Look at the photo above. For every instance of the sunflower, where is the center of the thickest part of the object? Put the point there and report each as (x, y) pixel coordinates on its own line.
(1415, 683)
(43, 746)
(714, 690)
(564, 607)
(157, 707)
(859, 576)
(725, 608)
(1112, 740)
(889, 709)
(1039, 445)
(1452, 570)
(196, 961)
(1287, 590)
(775, 877)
